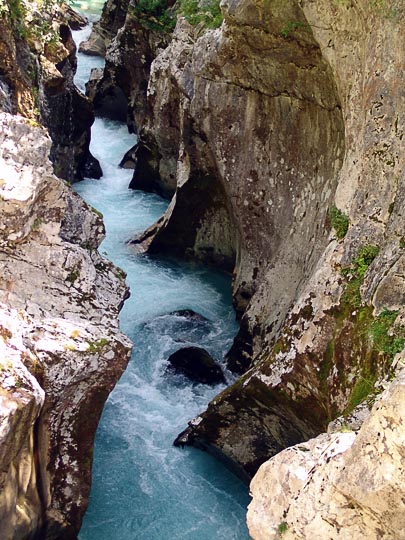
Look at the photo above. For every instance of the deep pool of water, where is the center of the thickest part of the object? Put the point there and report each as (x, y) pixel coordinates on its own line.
(144, 488)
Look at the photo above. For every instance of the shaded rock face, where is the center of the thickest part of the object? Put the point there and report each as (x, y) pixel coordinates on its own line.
(344, 485)
(103, 31)
(121, 93)
(63, 351)
(27, 64)
(197, 365)
(265, 126)
(67, 114)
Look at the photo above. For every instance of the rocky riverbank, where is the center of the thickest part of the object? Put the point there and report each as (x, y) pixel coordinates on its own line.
(62, 348)
(279, 134)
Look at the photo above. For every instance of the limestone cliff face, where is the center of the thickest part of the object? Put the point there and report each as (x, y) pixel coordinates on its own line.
(62, 351)
(37, 63)
(343, 485)
(266, 123)
(120, 92)
(129, 52)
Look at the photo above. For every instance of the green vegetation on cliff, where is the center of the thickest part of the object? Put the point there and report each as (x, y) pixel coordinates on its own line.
(339, 221)
(208, 14)
(31, 21)
(157, 15)
(161, 15)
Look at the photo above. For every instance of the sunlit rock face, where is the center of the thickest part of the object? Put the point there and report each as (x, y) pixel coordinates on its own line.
(63, 351)
(344, 485)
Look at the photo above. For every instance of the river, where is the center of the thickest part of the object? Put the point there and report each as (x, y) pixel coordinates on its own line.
(143, 487)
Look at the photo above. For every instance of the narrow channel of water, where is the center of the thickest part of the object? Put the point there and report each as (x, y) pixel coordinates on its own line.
(143, 487)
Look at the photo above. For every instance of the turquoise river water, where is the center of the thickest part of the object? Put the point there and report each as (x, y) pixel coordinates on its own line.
(143, 487)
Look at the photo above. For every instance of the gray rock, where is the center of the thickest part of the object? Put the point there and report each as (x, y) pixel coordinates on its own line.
(62, 351)
(197, 365)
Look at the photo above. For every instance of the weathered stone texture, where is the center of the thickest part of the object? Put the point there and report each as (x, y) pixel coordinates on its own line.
(36, 77)
(103, 31)
(121, 92)
(340, 486)
(287, 109)
(65, 300)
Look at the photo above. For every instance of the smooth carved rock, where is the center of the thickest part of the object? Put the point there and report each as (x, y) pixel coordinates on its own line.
(261, 147)
(61, 330)
(197, 365)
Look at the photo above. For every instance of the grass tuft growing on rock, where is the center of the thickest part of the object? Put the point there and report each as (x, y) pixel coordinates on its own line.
(156, 15)
(387, 338)
(96, 346)
(282, 528)
(355, 274)
(339, 221)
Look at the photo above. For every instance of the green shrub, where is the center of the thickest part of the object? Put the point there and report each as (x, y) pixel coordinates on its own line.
(155, 15)
(195, 12)
(282, 528)
(365, 257)
(339, 221)
(355, 274)
(291, 26)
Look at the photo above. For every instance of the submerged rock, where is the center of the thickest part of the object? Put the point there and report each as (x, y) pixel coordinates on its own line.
(190, 315)
(197, 365)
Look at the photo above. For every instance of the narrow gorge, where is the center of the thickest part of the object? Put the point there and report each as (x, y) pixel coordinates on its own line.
(246, 159)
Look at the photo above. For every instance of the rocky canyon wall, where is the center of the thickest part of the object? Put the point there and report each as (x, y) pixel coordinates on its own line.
(37, 66)
(279, 136)
(285, 111)
(283, 132)
(62, 351)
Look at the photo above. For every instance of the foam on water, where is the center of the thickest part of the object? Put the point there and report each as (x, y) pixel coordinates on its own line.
(85, 63)
(144, 488)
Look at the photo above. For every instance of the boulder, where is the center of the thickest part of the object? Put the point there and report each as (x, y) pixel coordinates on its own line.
(197, 365)
(339, 486)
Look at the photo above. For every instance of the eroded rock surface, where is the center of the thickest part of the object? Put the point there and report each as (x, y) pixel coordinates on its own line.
(345, 485)
(63, 351)
(266, 123)
(104, 30)
(121, 92)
